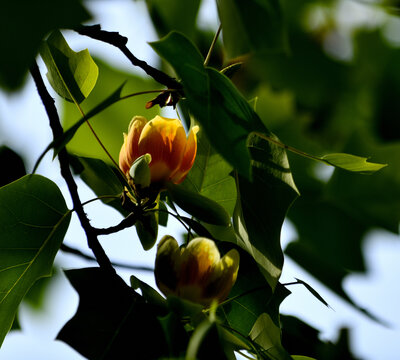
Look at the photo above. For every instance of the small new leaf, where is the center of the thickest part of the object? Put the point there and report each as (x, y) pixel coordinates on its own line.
(72, 75)
(352, 163)
(313, 291)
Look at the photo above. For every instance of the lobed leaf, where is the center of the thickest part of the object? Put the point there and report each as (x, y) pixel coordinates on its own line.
(112, 319)
(211, 176)
(224, 115)
(263, 204)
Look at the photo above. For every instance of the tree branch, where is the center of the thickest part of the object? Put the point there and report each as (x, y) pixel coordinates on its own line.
(129, 221)
(79, 253)
(63, 157)
(119, 41)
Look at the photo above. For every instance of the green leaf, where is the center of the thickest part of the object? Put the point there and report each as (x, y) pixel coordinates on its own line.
(59, 143)
(213, 101)
(352, 163)
(33, 221)
(210, 175)
(263, 204)
(199, 206)
(72, 75)
(300, 338)
(147, 229)
(252, 26)
(175, 15)
(112, 320)
(175, 335)
(249, 296)
(197, 339)
(149, 294)
(312, 291)
(207, 342)
(373, 200)
(111, 121)
(23, 27)
(103, 179)
(268, 335)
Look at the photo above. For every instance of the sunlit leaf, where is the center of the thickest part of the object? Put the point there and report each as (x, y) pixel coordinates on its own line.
(268, 335)
(33, 221)
(263, 204)
(352, 163)
(248, 298)
(72, 75)
(59, 143)
(110, 122)
(211, 176)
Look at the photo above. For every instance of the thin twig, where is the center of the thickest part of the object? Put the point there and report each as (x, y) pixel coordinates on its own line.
(79, 253)
(129, 221)
(63, 157)
(119, 41)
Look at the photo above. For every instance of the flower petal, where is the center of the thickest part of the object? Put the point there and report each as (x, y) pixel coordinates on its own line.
(223, 276)
(129, 150)
(167, 265)
(188, 157)
(165, 140)
(197, 261)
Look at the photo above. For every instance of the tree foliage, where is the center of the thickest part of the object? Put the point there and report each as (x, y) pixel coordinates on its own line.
(272, 107)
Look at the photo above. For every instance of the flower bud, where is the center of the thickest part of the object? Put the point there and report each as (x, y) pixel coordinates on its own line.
(197, 272)
(140, 171)
(172, 153)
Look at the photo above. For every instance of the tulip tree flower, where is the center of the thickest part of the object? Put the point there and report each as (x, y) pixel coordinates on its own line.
(195, 272)
(172, 153)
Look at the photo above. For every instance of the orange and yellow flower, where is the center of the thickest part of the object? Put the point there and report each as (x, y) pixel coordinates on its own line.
(172, 153)
(195, 272)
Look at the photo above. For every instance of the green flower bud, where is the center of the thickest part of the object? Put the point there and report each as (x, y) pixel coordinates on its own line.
(140, 171)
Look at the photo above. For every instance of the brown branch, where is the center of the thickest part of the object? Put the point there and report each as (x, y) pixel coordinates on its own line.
(63, 157)
(119, 41)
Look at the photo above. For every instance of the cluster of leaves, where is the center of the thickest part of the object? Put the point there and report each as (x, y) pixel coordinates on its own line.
(240, 188)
